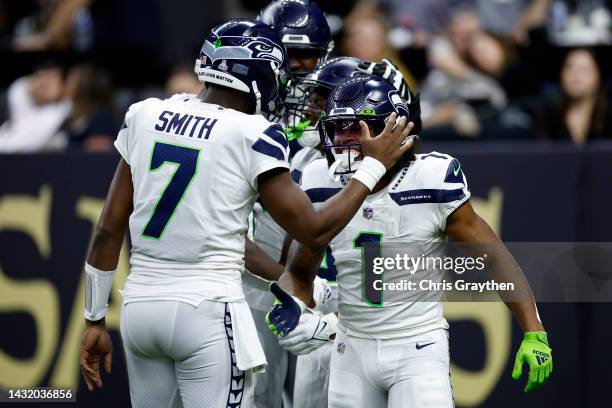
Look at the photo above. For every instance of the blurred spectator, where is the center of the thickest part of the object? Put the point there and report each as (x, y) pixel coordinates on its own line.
(579, 22)
(10, 12)
(533, 16)
(500, 17)
(583, 112)
(365, 37)
(416, 22)
(55, 25)
(183, 80)
(36, 111)
(568, 22)
(487, 54)
(461, 82)
(499, 59)
(421, 18)
(92, 125)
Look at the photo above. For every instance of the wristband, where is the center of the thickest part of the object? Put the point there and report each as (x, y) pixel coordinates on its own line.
(370, 172)
(98, 285)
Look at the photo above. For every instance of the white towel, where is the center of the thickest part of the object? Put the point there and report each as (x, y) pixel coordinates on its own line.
(249, 353)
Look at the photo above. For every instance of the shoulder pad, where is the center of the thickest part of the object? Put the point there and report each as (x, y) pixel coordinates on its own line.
(436, 169)
(316, 181)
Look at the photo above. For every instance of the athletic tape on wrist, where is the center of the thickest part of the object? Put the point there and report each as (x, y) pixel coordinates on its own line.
(98, 285)
(370, 172)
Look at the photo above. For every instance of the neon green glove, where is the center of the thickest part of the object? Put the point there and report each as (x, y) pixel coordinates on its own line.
(534, 351)
(295, 132)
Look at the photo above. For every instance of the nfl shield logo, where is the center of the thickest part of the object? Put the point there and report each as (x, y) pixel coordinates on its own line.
(341, 348)
(368, 213)
(223, 65)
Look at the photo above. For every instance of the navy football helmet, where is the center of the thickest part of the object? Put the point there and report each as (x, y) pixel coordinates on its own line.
(304, 111)
(246, 55)
(301, 25)
(307, 104)
(370, 99)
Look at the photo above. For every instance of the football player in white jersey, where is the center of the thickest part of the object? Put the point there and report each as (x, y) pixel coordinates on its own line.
(307, 43)
(191, 169)
(312, 368)
(311, 380)
(396, 354)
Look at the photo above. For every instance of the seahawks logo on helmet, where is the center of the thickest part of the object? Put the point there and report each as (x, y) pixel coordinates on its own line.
(259, 49)
(398, 102)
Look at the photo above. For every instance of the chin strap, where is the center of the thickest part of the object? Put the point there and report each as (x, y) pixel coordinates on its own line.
(332, 171)
(257, 97)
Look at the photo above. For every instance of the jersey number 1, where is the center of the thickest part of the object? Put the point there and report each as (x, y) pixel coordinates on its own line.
(186, 159)
(371, 296)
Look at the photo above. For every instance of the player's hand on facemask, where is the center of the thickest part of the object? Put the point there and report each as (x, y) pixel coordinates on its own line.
(534, 351)
(284, 315)
(314, 330)
(391, 144)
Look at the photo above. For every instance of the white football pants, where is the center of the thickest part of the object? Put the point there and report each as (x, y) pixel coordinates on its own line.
(312, 378)
(408, 373)
(179, 355)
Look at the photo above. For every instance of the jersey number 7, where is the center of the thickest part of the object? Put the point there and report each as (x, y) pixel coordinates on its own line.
(186, 161)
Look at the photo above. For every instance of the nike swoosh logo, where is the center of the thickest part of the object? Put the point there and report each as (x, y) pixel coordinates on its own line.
(324, 326)
(457, 170)
(318, 332)
(420, 346)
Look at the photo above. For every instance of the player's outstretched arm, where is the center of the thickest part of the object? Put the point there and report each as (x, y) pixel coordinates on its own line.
(291, 208)
(261, 264)
(465, 226)
(100, 268)
(302, 267)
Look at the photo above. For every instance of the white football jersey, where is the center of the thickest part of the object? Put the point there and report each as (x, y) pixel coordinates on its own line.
(194, 169)
(412, 208)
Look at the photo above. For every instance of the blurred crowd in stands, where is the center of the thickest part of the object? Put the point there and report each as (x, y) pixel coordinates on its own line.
(485, 69)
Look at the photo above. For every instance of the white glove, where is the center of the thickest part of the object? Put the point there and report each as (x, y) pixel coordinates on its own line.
(325, 295)
(313, 330)
(321, 292)
(390, 72)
